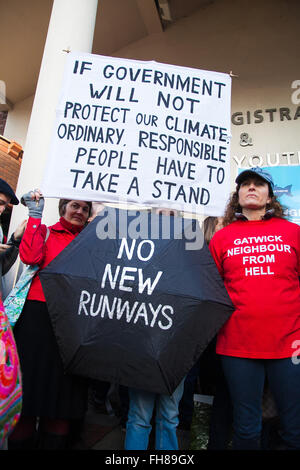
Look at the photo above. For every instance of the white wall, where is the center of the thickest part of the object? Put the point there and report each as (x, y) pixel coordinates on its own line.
(18, 120)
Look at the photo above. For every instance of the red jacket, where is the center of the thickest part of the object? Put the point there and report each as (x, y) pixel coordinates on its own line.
(260, 264)
(34, 250)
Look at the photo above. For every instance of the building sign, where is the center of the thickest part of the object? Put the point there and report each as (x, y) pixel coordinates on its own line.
(286, 189)
(259, 116)
(271, 113)
(269, 159)
(267, 135)
(141, 132)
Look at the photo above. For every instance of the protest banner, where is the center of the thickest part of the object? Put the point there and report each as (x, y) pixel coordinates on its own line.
(287, 189)
(141, 132)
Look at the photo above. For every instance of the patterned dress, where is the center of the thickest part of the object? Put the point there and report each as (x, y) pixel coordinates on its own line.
(10, 379)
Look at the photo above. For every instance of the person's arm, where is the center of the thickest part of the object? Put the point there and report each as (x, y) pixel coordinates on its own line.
(32, 247)
(9, 255)
(215, 252)
(298, 256)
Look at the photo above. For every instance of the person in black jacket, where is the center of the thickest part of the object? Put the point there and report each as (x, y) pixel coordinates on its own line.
(9, 251)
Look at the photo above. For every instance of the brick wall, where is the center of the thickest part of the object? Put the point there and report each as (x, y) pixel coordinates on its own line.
(3, 116)
(9, 169)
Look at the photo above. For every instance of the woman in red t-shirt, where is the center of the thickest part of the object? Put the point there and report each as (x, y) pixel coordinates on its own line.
(258, 255)
(48, 394)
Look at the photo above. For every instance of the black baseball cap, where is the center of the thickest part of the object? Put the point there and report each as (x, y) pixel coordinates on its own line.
(257, 171)
(8, 191)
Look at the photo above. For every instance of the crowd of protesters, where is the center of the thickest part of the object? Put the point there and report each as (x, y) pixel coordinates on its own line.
(257, 253)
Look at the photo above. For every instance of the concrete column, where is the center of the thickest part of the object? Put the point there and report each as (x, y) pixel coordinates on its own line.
(71, 27)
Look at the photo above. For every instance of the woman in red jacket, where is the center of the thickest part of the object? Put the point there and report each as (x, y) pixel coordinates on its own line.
(258, 256)
(48, 394)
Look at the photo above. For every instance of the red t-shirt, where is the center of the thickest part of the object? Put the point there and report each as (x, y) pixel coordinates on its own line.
(34, 250)
(259, 262)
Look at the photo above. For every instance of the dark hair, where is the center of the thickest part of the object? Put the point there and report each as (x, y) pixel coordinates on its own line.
(63, 203)
(233, 207)
(209, 227)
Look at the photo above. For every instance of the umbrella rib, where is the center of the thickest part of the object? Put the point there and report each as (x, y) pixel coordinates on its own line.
(165, 377)
(160, 368)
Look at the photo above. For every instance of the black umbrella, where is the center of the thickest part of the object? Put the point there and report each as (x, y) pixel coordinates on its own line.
(135, 300)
